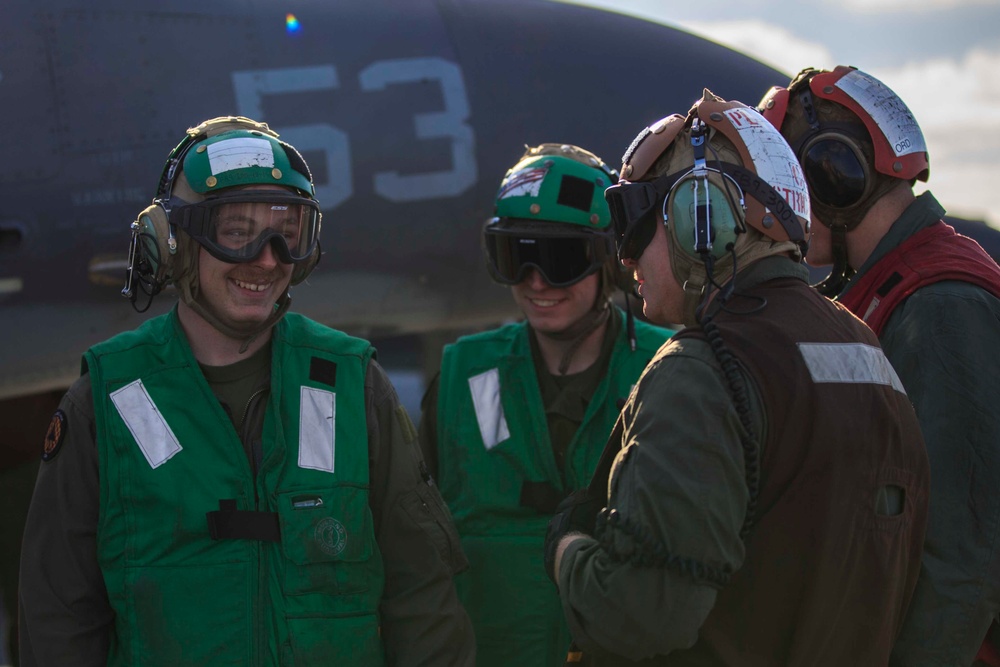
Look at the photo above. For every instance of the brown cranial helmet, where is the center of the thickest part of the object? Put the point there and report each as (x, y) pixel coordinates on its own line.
(725, 184)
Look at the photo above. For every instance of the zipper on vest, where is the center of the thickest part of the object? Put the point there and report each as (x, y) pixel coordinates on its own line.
(258, 614)
(256, 456)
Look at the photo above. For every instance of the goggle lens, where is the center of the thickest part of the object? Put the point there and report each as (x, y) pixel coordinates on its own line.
(562, 261)
(633, 216)
(240, 230)
(236, 228)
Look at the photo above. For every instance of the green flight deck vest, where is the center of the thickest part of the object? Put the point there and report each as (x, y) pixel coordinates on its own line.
(169, 455)
(493, 438)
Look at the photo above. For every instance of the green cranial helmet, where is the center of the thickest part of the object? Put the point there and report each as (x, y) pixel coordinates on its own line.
(223, 162)
(550, 215)
(220, 158)
(235, 151)
(557, 183)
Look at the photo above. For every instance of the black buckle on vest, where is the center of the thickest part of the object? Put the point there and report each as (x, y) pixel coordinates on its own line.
(540, 496)
(889, 284)
(229, 523)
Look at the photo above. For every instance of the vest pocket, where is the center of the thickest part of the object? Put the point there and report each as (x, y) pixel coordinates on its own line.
(326, 537)
(172, 606)
(345, 640)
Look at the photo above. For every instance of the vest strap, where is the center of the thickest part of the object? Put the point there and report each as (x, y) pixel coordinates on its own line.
(229, 523)
(934, 254)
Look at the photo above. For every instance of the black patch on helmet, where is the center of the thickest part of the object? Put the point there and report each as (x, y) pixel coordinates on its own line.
(54, 436)
(323, 370)
(296, 160)
(576, 193)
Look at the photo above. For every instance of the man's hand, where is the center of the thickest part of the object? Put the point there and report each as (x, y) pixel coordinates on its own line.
(575, 514)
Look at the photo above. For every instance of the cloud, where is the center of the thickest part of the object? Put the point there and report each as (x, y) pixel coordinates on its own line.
(959, 95)
(957, 103)
(955, 100)
(771, 44)
(887, 6)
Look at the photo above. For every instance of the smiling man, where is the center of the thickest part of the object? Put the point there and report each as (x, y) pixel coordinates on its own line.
(230, 483)
(518, 416)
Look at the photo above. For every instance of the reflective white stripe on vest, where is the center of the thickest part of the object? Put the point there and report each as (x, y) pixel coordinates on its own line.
(852, 363)
(485, 389)
(317, 426)
(146, 423)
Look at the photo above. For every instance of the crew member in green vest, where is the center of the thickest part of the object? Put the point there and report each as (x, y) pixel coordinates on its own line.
(231, 483)
(518, 416)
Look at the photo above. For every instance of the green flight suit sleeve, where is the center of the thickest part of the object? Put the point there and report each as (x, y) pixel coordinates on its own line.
(64, 614)
(942, 343)
(423, 622)
(680, 479)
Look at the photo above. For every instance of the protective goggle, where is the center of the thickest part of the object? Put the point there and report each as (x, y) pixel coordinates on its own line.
(562, 260)
(835, 169)
(236, 228)
(635, 212)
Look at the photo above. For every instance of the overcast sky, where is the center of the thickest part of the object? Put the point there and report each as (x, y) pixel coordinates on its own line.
(942, 57)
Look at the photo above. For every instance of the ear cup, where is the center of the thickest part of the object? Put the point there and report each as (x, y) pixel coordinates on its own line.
(836, 169)
(155, 261)
(716, 211)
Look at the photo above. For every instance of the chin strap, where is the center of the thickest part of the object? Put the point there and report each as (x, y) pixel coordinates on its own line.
(694, 292)
(188, 286)
(841, 272)
(629, 323)
(246, 334)
(579, 330)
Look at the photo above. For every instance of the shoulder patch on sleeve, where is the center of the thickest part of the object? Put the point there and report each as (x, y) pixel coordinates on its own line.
(54, 436)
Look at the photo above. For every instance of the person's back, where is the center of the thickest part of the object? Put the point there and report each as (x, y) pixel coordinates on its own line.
(768, 500)
(834, 551)
(933, 298)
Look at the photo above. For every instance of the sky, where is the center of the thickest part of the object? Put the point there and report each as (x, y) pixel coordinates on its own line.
(942, 57)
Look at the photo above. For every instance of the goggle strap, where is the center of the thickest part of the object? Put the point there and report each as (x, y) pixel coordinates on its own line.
(808, 108)
(753, 185)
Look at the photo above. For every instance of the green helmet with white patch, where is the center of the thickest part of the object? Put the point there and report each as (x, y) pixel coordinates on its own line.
(550, 215)
(234, 151)
(557, 183)
(222, 162)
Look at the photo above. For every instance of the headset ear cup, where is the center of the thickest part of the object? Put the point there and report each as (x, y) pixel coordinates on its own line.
(681, 218)
(154, 232)
(837, 169)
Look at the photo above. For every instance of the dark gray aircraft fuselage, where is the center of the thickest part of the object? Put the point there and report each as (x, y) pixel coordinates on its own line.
(408, 111)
